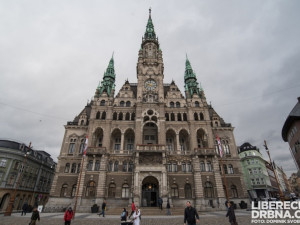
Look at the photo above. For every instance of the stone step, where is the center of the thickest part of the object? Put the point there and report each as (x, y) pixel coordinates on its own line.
(146, 211)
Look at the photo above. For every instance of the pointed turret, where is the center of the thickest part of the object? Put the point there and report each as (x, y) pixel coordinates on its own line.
(108, 82)
(190, 81)
(150, 33)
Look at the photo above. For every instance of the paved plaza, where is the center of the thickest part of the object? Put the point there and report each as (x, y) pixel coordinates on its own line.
(206, 218)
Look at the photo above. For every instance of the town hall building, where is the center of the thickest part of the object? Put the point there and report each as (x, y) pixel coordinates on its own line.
(147, 141)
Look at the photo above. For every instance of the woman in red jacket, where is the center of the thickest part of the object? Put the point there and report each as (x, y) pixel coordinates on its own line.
(68, 216)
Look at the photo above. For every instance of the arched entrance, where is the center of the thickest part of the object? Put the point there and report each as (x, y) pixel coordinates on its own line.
(150, 191)
(150, 136)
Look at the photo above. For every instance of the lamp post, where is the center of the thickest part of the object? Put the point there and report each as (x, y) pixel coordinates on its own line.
(272, 166)
(12, 199)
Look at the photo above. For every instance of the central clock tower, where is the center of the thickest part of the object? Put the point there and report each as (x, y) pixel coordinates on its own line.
(150, 68)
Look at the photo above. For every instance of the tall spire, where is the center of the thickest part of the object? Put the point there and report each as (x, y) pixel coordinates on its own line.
(150, 33)
(109, 76)
(190, 80)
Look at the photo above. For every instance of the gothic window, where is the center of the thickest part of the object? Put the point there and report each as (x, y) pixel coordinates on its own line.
(128, 104)
(103, 116)
(127, 117)
(67, 168)
(196, 116)
(201, 116)
(174, 167)
(209, 166)
(197, 104)
(98, 116)
(188, 191)
(184, 117)
(110, 166)
(124, 166)
(91, 189)
(172, 117)
(115, 116)
(189, 167)
(216, 124)
(183, 167)
(167, 116)
(78, 168)
(97, 165)
(82, 122)
(234, 191)
(130, 142)
(169, 144)
(122, 103)
(172, 104)
(82, 143)
(125, 191)
(230, 169)
(179, 117)
(226, 146)
(202, 166)
(225, 169)
(112, 190)
(208, 190)
(177, 104)
(117, 143)
(120, 116)
(133, 116)
(130, 168)
(90, 165)
(73, 193)
(63, 190)
(100, 142)
(169, 167)
(174, 191)
(72, 146)
(102, 103)
(73, 168)
(116, 166)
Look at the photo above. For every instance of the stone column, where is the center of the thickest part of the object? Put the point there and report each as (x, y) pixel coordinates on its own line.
(219, 183)
(101, 187)
(178, 144)
(199, 204)
(122, 142)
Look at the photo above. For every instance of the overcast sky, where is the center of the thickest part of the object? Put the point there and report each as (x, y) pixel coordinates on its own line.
(246, 54)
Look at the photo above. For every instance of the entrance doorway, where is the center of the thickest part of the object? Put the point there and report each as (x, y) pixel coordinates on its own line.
(150, 192)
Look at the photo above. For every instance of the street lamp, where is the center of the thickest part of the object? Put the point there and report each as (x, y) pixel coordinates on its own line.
(272, 166)
(12, 199)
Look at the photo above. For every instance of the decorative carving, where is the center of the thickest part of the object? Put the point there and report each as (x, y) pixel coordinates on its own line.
(150, 158)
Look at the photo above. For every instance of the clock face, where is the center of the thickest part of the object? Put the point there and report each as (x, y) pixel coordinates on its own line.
(150, 85)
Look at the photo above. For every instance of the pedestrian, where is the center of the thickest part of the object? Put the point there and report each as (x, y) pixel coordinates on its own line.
(68, 216)
(231, 214)
(226, 204)
(136, 216)
(35, 216)
(24, 208)
(168, 208)
(103, 207)
(160, 202)
(189, 215)
(132, 209)
(124, 215)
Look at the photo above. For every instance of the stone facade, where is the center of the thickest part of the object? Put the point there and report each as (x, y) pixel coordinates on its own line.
(147, 141)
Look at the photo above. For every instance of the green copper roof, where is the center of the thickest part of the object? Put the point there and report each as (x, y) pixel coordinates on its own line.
(108, 82)
(190, 80)
(150, 33)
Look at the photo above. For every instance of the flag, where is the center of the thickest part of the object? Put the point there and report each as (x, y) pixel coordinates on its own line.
(85, 146)
(220, 146)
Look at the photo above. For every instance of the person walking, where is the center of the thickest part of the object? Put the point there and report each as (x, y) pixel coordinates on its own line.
(124, 215)
(136, 216)
(103, 207)
(132, 209)
(35, 216)
(231, 214)
(168, 208)
(68, 216)
(24, 208)
(160, 202)
(189, 215)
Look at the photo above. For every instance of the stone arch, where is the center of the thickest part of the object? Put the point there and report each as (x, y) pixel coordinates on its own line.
(150, 133)
(97, 138)
(4, 201)
(116, 139)
(171, 141)
(129, 138)
(184, 140)
(201, 136)
(98, 115)
(150, 191)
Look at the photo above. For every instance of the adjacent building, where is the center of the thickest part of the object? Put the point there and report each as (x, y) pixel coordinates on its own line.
(34, 175)
(147, 141)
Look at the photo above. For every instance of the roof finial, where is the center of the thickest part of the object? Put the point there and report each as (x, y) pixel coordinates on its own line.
(113, 54)
(150, 12)
(186, 56)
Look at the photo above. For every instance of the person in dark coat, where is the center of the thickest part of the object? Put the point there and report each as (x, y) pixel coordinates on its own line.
(231, 214)
(160, 202)
(35, 216)
(124, 215)
(168, 208)
(189, 215)
(103, 207)
(24, 208)
(68, 216)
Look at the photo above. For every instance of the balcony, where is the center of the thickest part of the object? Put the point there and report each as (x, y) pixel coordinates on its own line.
(96, 151)
(205, 151)
(152, 148)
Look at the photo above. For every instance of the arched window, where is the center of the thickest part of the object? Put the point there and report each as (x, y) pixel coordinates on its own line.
(73, 168)
(234, 191)
(112, 190)
(125, 191)
(208, 190)
(128, 104)
(78, 168)
(103, 117)
(116, 167)
(133, 116)
(202, 166)
(196, 116)
(90, 165)
(172, 117)
(127, 117)
(97, 165)
(115, 116)
(122, 103)
(120, 116)
(91, 189)
(183, 167)
(184, 117)
(67, 168)
(216, 124)
(230, 169)
(102, 103)
(167, 116)
(179, 117)
(177, 104)
(201, 116)
(73, 193)
(188, 191)
(124, 166)
(197, 104)
(174, 191)
(130, 168)
(72, 146)
(82, 122)
(63, 190)
(226, 147)
(169, 167)
(98, 116)
(110, 166)
(209, 166)
(174, 167)
(172, 104)
(225, 169)
(82, 144)
(189, 167)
